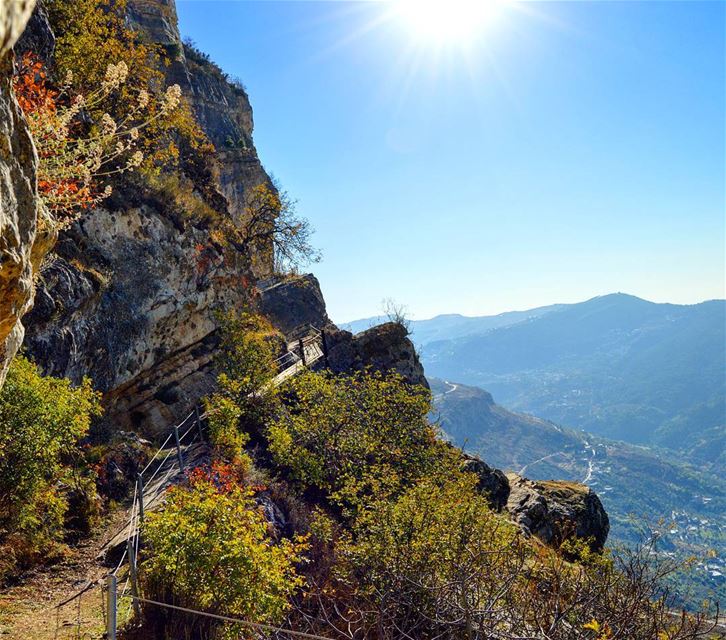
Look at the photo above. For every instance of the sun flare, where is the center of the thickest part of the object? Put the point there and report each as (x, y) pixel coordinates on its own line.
(447, 21)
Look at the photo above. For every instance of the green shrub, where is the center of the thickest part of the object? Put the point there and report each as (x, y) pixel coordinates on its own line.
(246, 398)
(224, 431)
(430, 562)
(246, 355)
(210, 549)
(356, 438)
(41, 421)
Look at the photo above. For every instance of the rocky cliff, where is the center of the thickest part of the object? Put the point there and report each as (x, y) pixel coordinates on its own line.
(221, 105)
(384, 347)
(22, 239)
(129, 295)
(555, 511)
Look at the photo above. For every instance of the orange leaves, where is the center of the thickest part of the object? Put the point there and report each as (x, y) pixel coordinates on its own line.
(78, 140)
(64, 181)
(30, 85)
(224, 477)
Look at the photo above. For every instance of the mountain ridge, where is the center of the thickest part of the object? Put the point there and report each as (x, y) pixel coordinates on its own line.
(616, 365)
(460, 316)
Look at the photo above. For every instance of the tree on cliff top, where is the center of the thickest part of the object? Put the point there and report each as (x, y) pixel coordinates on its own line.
(272, 228)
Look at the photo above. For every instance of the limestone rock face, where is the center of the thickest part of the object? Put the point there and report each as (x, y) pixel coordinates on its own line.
(156, 19)
(14, 15)
(293, 305)
(130, 295)
(221, 106)
(555, 511)
(385, 347)
(223, 109)
(21, 247)
(135, 314)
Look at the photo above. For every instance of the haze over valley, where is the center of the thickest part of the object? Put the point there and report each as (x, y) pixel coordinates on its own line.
(624, 395)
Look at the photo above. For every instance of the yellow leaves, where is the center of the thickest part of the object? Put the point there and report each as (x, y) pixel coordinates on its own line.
(359, 437)
(90, 34)
(213, 541)
(602, 631)
(593, 625)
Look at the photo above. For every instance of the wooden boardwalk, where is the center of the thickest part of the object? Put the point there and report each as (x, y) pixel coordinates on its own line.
(175, 457)
(166, 474)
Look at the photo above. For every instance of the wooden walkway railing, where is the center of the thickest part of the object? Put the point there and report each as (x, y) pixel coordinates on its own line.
(185, 447)
(169, 462)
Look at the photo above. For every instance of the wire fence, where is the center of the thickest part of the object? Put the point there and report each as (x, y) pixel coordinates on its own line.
(246, 623)
(300, 354)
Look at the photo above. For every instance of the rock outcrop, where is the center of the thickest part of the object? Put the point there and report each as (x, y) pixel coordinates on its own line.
(22, 246)
(14, 15)
(221, 105)
(383, 348)
(555, 511)
(492, 483)
(294, 304)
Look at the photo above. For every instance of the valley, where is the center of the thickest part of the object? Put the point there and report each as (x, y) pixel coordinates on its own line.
(644, 489)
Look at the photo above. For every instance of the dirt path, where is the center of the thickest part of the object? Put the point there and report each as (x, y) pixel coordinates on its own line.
(27, 611)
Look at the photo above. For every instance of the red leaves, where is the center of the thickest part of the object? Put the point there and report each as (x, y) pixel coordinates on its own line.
(60, 177)
(225, 478)
(221, 475)
(31, 86)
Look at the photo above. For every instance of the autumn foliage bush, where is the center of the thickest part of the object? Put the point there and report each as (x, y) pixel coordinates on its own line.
(92, 33)
(211, 549)
(74, 155)
(356, 438)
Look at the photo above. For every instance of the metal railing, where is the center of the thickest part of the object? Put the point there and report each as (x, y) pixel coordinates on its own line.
(300, 354)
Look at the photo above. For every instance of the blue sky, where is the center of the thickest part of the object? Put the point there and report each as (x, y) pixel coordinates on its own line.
(562, 151)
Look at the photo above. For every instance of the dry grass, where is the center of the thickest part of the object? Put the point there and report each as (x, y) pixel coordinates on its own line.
(27, 610)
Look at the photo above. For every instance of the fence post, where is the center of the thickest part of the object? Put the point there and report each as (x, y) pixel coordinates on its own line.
(302, 351)
(324, 342)
(199, 423)
(140, 493)
(178, 449)
(111, 595)
(132, 574)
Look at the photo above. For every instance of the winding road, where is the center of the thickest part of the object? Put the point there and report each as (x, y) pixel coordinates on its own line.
(590, 464)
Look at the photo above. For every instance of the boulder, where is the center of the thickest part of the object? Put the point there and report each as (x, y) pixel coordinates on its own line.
(293, 305)
(555, 511)
(385, 347)
(493, 483)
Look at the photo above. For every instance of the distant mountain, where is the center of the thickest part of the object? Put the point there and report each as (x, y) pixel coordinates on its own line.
(630, 480)
(615, 365)
(452, 326)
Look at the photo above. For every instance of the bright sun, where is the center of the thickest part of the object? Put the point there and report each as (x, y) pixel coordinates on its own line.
(447, 21)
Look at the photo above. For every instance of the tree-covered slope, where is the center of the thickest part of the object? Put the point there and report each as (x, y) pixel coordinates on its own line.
(615, 365)
(638, 485)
